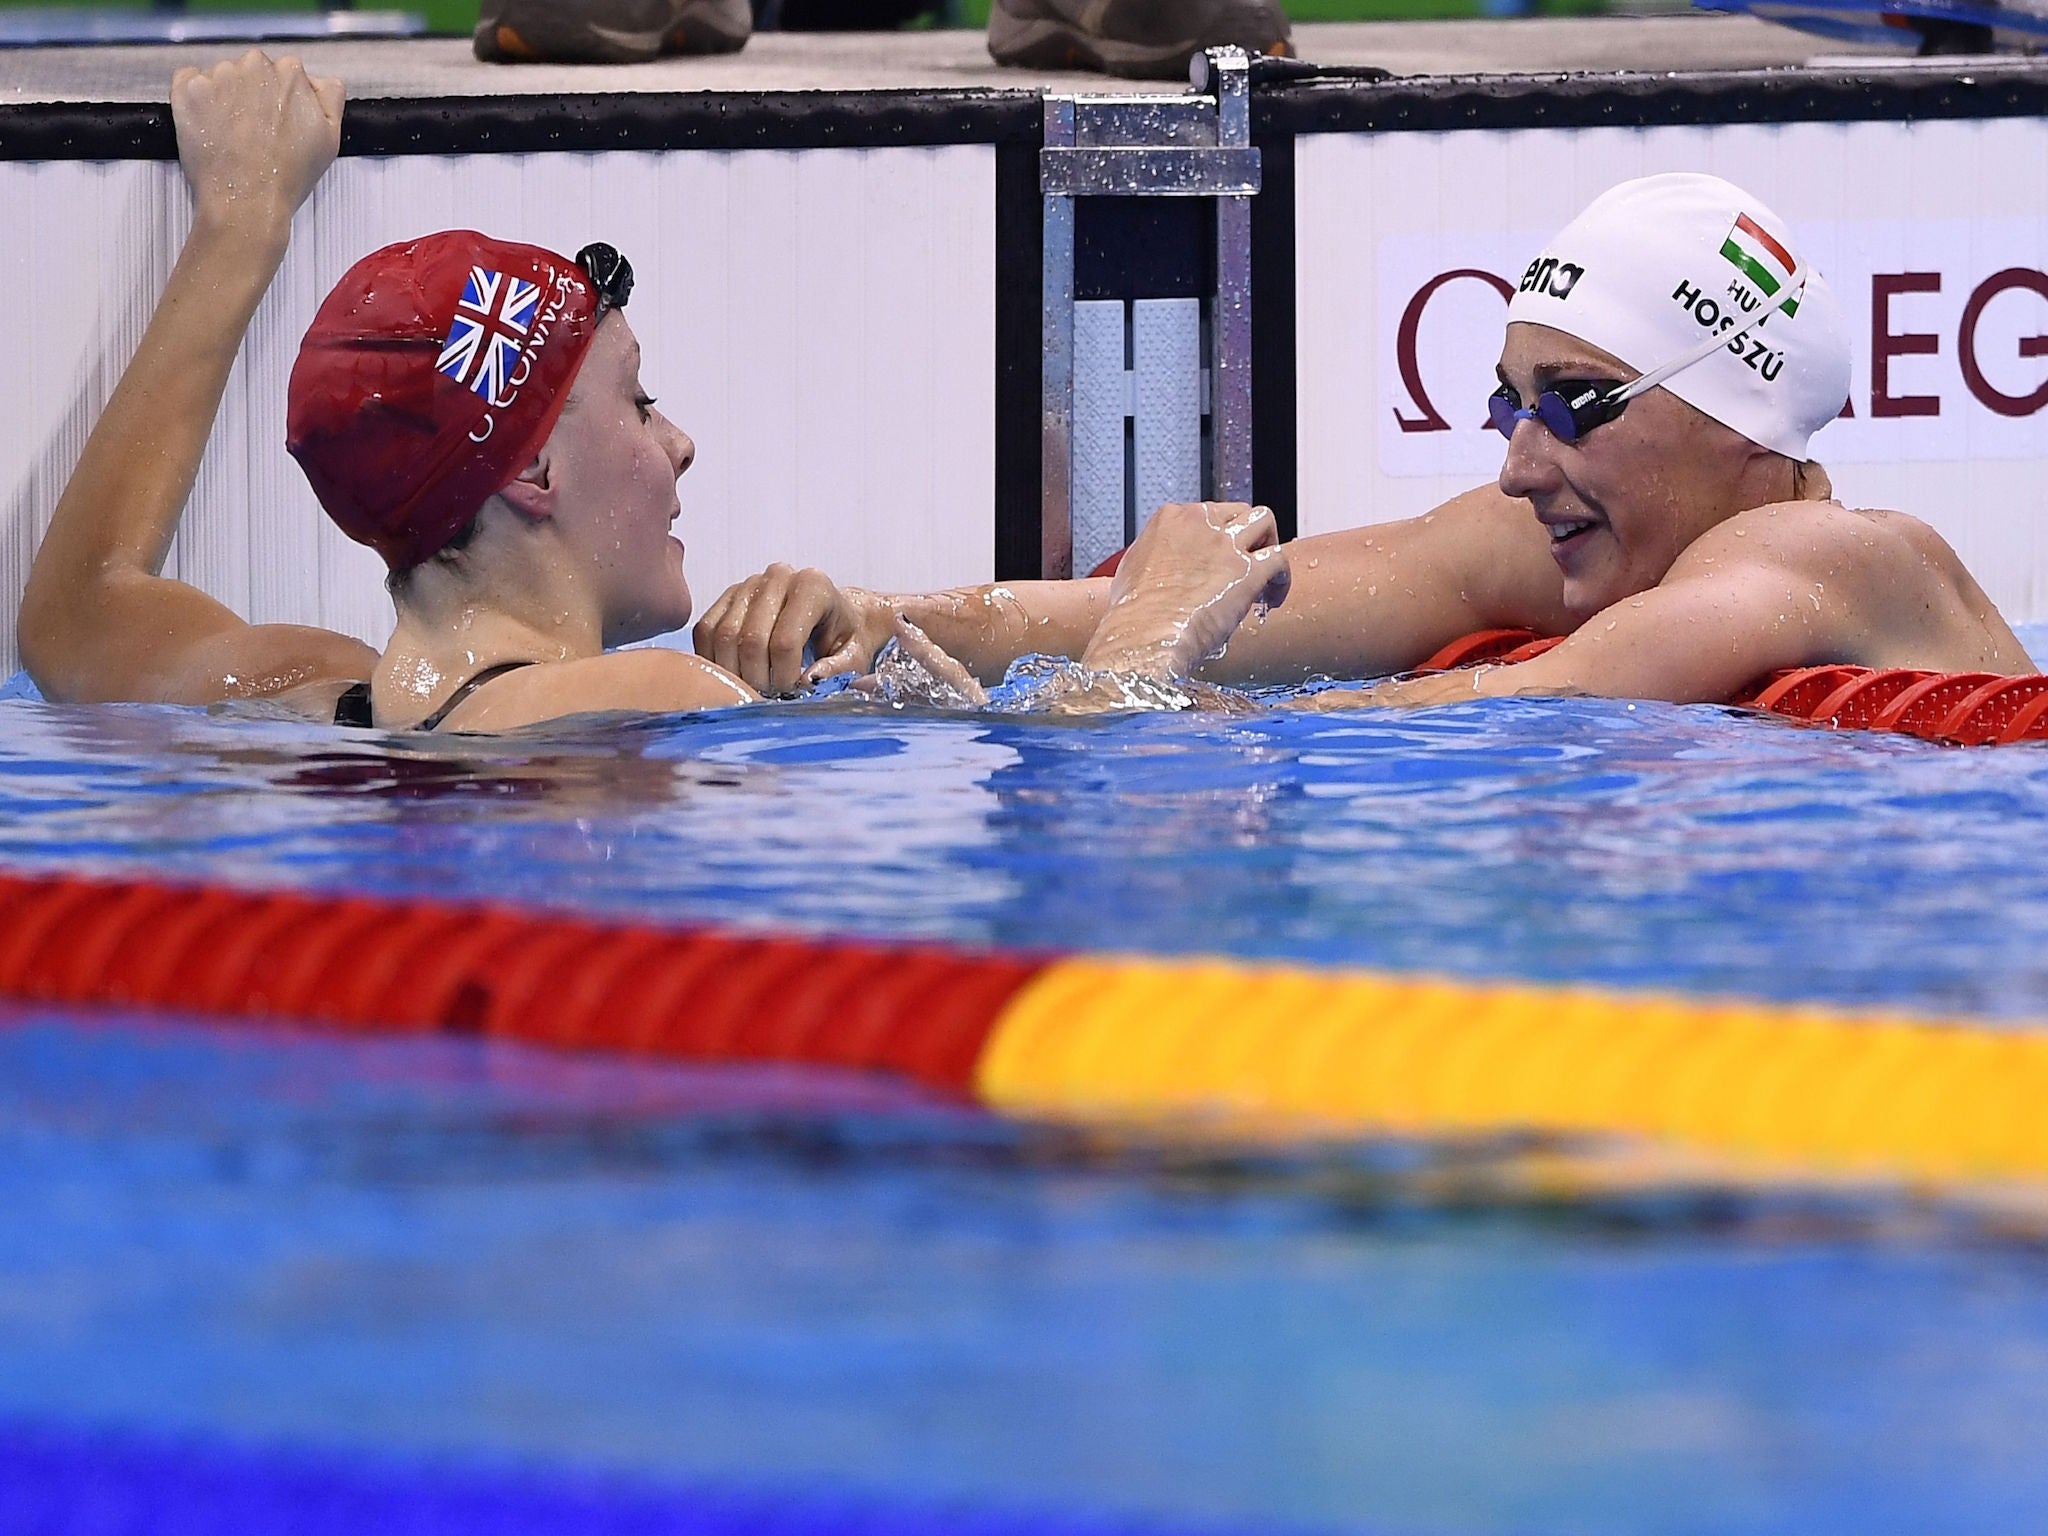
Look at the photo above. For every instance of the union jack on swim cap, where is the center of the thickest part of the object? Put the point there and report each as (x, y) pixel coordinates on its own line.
(1656, 267)
(430, 378)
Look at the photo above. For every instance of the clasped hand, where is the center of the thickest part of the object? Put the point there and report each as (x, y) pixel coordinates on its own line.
(1185, 585)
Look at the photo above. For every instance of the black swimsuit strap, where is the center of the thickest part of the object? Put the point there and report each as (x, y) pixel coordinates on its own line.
(353, 707)
(454, 699)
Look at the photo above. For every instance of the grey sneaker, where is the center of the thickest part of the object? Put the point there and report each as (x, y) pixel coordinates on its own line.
(1142, 38)
(608, 31)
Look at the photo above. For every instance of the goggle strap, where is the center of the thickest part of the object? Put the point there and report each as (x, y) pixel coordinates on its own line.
(610, 275)
(1709, 344)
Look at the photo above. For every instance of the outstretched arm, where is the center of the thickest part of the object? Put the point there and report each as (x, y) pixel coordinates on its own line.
(98, 622)
(760, 628)
(1365, 601)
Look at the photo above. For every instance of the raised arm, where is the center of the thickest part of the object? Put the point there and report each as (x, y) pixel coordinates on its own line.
(98, 622)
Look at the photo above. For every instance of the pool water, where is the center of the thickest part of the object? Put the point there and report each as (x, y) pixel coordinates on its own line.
(1634, 844)
(472, 1255)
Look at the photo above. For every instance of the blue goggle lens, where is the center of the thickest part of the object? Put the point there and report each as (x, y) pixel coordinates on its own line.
(1567, 420)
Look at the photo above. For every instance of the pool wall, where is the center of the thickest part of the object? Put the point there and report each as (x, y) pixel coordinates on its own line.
(840, 294)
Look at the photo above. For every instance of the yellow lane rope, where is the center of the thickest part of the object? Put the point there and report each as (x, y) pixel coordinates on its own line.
(1792, 1090)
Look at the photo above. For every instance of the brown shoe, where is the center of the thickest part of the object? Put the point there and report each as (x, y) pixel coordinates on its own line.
(1150, 39)
(608, 31)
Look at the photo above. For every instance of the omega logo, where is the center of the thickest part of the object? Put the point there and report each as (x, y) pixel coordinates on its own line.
(1429, 418)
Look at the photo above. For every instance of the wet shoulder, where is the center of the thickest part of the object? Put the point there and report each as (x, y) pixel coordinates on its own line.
(1896, 592)
(652, 681)
(1823, 539)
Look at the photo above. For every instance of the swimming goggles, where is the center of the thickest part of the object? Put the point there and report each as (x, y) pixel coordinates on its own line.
(609, 273)
(1568, 410)
(1573, 407)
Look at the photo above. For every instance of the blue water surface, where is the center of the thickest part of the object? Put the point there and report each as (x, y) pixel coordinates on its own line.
(470, 1253)
(466, 1254)
(1644, 845)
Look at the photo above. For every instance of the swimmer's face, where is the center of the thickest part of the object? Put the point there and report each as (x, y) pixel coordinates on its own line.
(1623, 502)
(616, 460)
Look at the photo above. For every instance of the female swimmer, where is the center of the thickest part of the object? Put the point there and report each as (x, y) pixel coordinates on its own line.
(471, 409)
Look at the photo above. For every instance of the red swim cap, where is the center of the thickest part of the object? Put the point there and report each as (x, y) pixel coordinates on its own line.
(430, 378)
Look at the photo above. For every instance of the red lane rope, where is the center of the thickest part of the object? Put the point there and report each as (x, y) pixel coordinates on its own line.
(1794, 694)
(1863, 697)
(370, 964)
(2029, 724)
(1475, 649)
(1979, 719)
(1965, 708)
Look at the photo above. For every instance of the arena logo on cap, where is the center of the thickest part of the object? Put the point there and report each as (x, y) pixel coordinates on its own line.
(1761, 259)
(1547, 274)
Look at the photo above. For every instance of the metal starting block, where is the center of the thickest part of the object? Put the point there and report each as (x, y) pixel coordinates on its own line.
(1147, 394)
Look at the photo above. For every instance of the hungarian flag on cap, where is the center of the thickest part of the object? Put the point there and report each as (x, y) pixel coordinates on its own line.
(1760, 258)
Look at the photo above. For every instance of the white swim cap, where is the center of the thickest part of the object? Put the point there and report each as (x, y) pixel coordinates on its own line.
(1655, 266)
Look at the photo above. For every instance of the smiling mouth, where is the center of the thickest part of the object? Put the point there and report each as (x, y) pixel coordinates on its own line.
(1564, 533)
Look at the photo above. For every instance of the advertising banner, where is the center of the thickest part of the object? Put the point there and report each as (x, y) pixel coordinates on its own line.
(1934, 236)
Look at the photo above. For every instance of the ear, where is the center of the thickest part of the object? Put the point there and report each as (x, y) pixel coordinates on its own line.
(532, 494)
(1812, 483)
(1757, 459)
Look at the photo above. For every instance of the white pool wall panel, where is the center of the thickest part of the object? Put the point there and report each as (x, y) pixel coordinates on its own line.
(1166, 404)
(1380, 217)
(1102, 409)
(822, 323)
